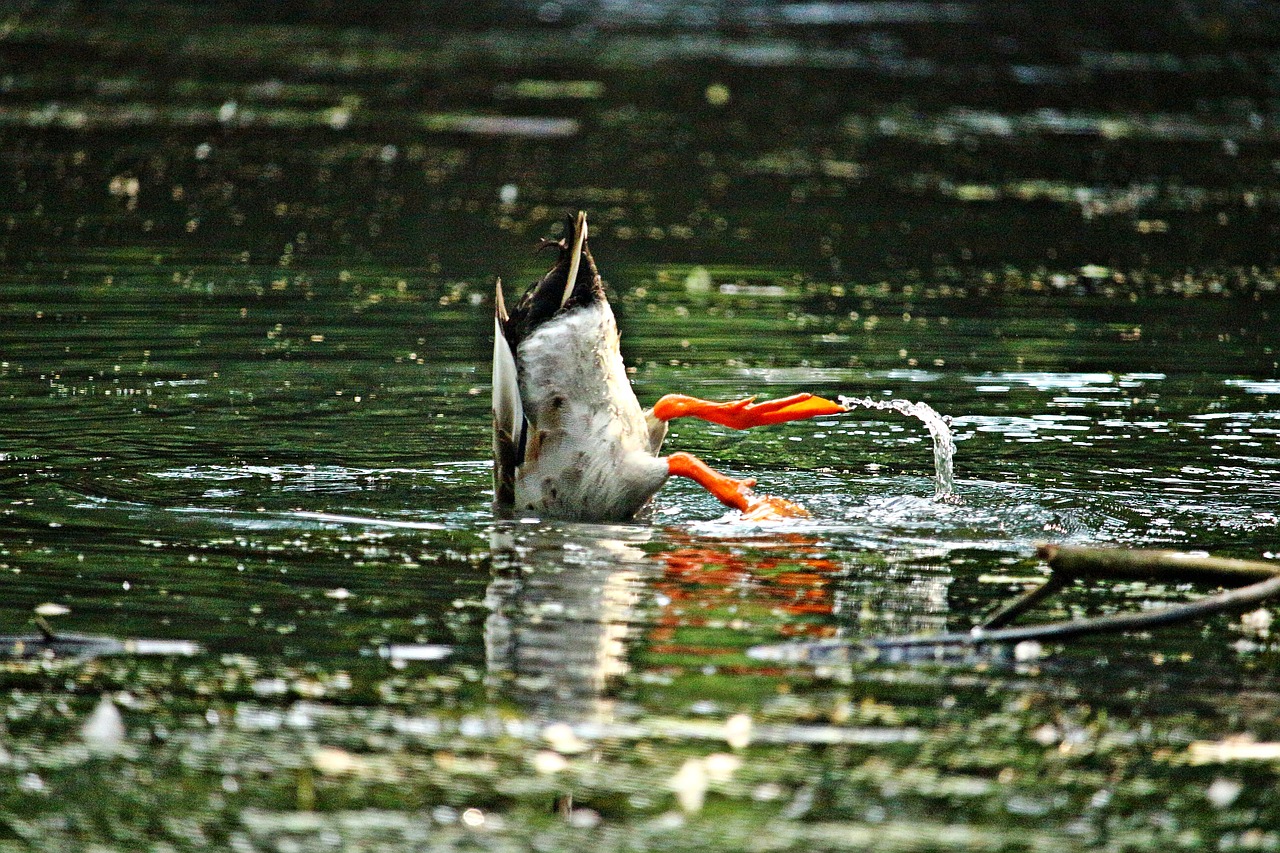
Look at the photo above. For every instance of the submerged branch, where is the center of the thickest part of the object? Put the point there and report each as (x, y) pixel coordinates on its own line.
(1257, 580)
(1177, 566)
(1011, 611)
(1235, 601)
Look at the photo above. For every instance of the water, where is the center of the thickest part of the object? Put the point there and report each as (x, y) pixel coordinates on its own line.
(944, 448)
(246, 267)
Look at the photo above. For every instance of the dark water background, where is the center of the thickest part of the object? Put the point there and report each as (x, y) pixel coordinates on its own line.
(246, 266)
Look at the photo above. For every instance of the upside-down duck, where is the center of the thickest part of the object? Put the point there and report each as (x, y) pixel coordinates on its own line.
(570, 440)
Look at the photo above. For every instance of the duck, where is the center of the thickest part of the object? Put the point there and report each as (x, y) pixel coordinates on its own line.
(570, 439)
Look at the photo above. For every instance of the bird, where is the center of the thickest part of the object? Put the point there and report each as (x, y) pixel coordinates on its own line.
(570, 439)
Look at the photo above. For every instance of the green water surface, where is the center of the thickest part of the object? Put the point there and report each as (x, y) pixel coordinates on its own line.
(246, 269)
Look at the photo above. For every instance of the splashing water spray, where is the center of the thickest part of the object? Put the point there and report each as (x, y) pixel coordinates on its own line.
(944, 448)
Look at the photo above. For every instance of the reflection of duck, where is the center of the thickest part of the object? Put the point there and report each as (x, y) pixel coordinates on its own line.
(569, 607)
(570, 439)
(572, 609)
(555, 640)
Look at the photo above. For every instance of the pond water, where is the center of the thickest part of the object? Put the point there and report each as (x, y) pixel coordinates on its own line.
(246, 287)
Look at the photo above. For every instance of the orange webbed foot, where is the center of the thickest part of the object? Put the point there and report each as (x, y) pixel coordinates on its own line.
(733, 493)
(770, 508)
(744, 414)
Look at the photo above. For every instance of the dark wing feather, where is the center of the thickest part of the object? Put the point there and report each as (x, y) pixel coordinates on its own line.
(545, 298)
(509, 425)
(505, 455)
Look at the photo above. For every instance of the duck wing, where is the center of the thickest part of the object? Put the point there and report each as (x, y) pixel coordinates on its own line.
(509, 425)
(657, 431)
(571, 284)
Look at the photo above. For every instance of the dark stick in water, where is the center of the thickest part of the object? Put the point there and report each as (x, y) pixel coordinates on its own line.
(1256, 581)
(1070, 563)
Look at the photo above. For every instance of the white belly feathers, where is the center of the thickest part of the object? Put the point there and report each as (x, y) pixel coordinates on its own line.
(588, 450)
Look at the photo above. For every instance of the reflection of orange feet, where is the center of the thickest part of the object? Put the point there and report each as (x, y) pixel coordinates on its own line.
(744, 414)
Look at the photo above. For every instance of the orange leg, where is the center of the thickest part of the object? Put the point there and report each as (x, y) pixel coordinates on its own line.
(743, 414)
(736, 494)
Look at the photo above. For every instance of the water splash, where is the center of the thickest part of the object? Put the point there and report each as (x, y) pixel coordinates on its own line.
(944, 448)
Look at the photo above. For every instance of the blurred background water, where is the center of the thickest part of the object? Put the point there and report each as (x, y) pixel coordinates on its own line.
(247, 254)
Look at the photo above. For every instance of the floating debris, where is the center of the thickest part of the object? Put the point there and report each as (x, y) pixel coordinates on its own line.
(875, 13)
(547, 762)
(104, 731)
(553, 89)
(1232, 750)
(152, 648)
(737, 731)
(698, 281)
(332, 761)
(563, 739)
(86, 647)
(690, 785)
(399, 655)
(532, 127)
